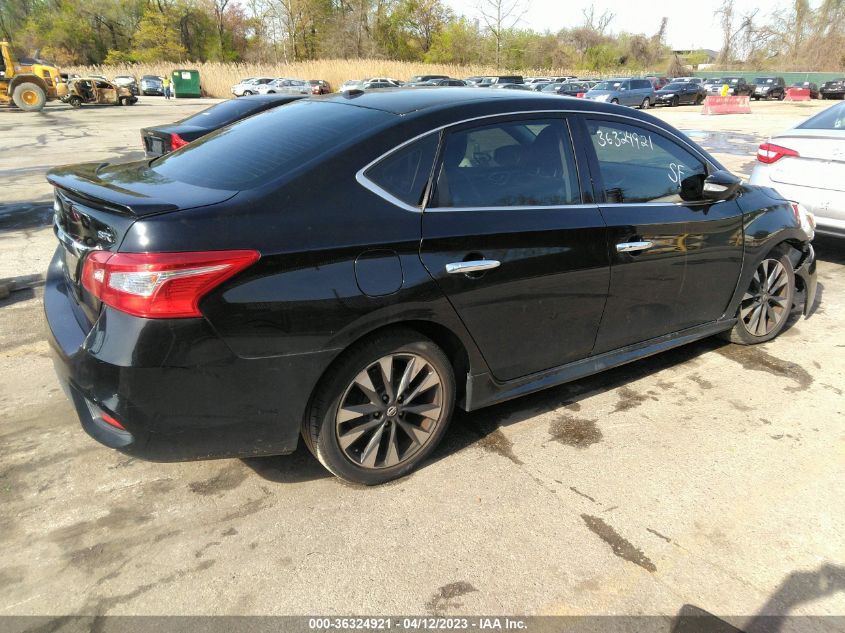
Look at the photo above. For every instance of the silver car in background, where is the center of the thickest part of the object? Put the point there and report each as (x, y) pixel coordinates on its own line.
(285, 86)
(807, 165)
(249, 86)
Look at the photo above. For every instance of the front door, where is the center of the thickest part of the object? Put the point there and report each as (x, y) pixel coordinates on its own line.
(675, 258)
(514, 246)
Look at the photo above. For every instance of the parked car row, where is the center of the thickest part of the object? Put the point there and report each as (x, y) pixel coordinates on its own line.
(280, 85)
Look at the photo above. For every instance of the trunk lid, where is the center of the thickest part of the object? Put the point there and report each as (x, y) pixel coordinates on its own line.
(821, 160)
(96, 204)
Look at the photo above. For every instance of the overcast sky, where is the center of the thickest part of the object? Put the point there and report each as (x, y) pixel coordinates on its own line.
(692, 23)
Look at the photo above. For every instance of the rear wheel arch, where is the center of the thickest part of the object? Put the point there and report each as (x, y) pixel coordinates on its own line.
(442, 336)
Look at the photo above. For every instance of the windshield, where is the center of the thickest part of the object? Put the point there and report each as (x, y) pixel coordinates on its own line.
(761, 81)
(675, 86)
(263, 148)
(831, 119)
(607, 85)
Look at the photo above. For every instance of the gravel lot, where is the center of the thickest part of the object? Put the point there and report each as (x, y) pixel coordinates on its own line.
(708, 476)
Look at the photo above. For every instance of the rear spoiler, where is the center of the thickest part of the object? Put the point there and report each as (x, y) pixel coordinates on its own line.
(83, 182)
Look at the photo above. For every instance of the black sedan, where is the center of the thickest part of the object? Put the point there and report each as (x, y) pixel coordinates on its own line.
(567, 89)
(349, 269)
(677, 93)
(166, 138)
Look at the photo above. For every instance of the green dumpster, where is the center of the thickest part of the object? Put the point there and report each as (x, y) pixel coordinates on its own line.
(186, 83)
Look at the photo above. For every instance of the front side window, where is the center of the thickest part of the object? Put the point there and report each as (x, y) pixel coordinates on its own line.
(638, 165)
(513, 163)
(404, 173)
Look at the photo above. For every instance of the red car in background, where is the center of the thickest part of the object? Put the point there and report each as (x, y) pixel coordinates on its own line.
(320, 87)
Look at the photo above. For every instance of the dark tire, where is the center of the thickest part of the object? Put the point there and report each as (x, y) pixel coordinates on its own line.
(781, 96)
(765, 307)
(123, 101)
(75, 102)
(616, 101)
(646, 104)
(675, 101)
(361, 427)
(248, 93)
(29, 97)
(756, 98)
(699, 100)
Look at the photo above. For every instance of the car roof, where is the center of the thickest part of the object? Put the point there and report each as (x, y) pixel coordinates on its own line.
(405, 102)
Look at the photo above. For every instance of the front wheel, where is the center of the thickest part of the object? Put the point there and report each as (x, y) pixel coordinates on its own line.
(75, 102)
(766, 304)
(29, 97)
(645, 104)
(382, 409)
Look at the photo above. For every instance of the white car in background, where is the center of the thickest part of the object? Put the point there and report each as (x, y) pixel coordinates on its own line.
(807, 165)
(249, 86)
(285, 86)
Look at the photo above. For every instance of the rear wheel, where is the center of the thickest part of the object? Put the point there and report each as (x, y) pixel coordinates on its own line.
(781, 96)
(616, 101)
(675, 101)
(382, 409)
(698, 100)
(764, 308)
(248, 93)
(29, 97)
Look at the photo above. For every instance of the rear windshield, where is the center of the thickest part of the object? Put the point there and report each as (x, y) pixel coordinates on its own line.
(262, 148)
(831, 119)
(675, 86)
(224, 112)
(760, 81)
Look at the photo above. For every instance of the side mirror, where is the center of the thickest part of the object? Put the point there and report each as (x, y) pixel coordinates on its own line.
(720, 185)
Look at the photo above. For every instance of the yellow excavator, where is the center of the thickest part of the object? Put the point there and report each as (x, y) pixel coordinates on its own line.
(28, 83)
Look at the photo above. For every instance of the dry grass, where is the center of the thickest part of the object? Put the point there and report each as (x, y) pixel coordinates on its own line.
(218, 78)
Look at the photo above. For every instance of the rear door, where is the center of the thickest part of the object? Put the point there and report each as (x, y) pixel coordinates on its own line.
(675, 258)
(513, 244)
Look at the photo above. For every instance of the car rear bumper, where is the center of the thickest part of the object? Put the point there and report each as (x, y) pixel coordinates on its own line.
(177, 389)
(826, 205)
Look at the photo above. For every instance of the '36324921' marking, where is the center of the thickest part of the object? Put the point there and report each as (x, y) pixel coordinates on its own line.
(617, 138)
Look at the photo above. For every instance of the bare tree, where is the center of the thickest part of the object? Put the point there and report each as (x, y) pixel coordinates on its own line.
(600, 23)
(726, 19)
(499, 16)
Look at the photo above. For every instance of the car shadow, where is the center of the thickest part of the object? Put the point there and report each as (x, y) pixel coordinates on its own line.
(796, 589)
(829, 249)
(482, 426)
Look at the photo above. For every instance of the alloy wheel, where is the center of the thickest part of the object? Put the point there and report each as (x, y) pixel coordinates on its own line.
(765, 304)
(390, 411)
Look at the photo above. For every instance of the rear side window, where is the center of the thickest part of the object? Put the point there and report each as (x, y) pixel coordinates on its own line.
(514, 163)
(405, 172)
(831, 119)
(638, 165)
(262, 148)
(642, 83)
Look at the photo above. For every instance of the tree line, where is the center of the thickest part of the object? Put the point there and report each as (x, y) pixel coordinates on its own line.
(284, 31)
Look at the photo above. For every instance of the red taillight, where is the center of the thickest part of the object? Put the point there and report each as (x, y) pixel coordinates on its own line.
(769, 153)
(105, 417)
(176, 142)
(580, 95)
(160, 285)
